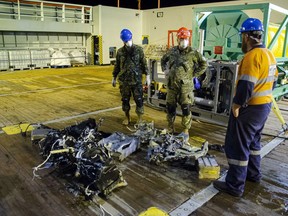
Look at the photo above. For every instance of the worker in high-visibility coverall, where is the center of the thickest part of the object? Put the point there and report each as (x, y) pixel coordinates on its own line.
(250, 109)
(181, 64)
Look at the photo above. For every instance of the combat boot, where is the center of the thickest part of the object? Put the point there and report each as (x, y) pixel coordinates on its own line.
(171, 128)
(186, 131)
(170, 120)
(127, 120)
(139, 120)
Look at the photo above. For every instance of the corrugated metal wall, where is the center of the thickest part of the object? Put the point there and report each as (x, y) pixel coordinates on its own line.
(32, 30)
(41, 40)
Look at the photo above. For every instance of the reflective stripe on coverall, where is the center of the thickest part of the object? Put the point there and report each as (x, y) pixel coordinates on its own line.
(242, 145)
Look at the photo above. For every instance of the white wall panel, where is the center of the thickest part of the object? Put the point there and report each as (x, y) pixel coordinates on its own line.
(176, 17)
(112, 21)
(172, 19)
(96, 20)
(9, 39)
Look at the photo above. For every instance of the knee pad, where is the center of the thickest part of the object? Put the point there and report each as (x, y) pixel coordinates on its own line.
(171, 109)
(139, 102)
(185, 109)
(125, 104)
(125, 101)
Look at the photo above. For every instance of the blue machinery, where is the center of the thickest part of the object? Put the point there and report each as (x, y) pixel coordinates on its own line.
(215, 34)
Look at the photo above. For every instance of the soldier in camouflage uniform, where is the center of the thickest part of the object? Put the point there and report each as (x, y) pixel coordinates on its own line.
(129, 67)
(181, 64)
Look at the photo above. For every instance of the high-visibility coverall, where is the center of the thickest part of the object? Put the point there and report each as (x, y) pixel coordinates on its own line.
(257, 73)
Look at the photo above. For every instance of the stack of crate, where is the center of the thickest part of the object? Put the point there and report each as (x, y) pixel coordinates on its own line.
(19, 59)
(4, 60)
(40, 59)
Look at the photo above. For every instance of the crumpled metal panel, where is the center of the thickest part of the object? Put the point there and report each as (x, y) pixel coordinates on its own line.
(167, 147)
(121, 145)
(144, 130)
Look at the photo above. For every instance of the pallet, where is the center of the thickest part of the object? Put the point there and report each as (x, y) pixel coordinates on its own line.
(78, 65)
(60, 66)
(40, 67)
(14, 69)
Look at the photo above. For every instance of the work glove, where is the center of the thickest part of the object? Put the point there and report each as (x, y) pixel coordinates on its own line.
(148, 81)
(197, 84)
(114, 81)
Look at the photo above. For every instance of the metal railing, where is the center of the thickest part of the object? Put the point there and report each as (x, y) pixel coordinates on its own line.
(45, 11)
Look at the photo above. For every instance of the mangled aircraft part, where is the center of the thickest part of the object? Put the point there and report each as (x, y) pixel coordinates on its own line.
(39, 133)
(144, 130)
(166, 147)
(120, 145)
(76, 154)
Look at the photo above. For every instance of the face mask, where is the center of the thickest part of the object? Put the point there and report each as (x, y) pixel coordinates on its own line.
(128, 43)
(184, 43)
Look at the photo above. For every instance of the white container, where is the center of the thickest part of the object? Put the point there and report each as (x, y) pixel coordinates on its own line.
(4, 60)
(40, 58)
(19, 59)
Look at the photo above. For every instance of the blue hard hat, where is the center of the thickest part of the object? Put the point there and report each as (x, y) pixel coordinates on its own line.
(251, 24)
(126, 35)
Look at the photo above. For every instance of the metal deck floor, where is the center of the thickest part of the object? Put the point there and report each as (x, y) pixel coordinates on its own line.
(62, 97)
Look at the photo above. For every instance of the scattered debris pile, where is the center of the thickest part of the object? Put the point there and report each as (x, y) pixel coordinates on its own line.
(85, 155)
(76, 153)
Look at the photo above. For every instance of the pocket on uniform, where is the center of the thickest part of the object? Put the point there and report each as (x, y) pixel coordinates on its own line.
(186, 66)
(186, 82)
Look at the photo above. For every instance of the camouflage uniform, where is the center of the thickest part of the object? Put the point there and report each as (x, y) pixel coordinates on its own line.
(129, 67)
(183, 65)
